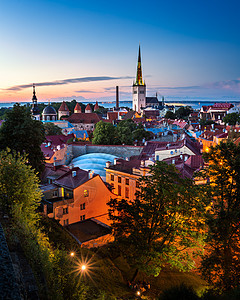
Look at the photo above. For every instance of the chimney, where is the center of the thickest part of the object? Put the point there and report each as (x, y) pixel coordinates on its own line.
(74, 173)
(115, 161)
(108, 163)
(91, 174)
(142, 163)
(117, 98)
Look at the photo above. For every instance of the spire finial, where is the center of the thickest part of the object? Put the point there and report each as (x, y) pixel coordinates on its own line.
(34, 98)
(139, 80)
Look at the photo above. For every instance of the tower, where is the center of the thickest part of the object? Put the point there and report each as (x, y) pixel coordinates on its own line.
(139, 87)
(35, 110)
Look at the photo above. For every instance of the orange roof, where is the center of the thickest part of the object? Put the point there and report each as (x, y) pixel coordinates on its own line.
(96, 107)
(88, 108)
(77, 108)
(63, 107)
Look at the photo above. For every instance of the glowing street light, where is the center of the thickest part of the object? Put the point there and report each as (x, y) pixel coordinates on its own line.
(72, 254)
(83, 267)
(138, 293)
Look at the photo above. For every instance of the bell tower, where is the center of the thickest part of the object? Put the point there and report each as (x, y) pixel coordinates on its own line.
(35, 110)
(139, 88)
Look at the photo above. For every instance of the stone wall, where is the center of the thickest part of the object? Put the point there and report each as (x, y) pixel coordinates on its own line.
(119, 150)
(8, 284)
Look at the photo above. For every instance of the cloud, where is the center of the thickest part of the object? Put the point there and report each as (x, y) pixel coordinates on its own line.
(65, 81)
(86, 91)
(233, 85)
(70, 98)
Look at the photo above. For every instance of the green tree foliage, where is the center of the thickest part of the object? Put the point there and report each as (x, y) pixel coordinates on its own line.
(21, 133)
(124, 131)
(231, 119)
(104, 134)
(52, 129)
(183, 112)
(221, 263)
(20, 196)
(206, 122)
(140, 134)
(170, 115)
(162, 224)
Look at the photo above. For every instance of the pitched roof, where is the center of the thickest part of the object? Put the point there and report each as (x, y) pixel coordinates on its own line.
(70, 181)
(77, 108)
(84, 118)
(60, 139)
(63, 107)
(88, 108)
(96, 107)
(152, 100)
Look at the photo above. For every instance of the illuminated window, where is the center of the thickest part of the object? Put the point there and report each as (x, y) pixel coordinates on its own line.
(86, 193)
(119, 190)
(127, 181)
(127, 192)
(112, 177)
(82, 206)
(119, 179)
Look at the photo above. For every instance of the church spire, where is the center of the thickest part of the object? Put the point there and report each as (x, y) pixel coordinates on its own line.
(34, 98)
(139, 80)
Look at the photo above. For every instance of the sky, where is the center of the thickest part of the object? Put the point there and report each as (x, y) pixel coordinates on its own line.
(82, 49)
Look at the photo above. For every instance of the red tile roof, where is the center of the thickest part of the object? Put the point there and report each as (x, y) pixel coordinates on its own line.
(96, 107)
(77, 108)
(88, 108)
(84, 118)
(63, 107)
(67, 180)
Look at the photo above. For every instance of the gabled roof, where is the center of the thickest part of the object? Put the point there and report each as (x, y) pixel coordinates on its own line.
(152, 100)
(60, 139)
(67, 180)
(63, 107)
(84, 118)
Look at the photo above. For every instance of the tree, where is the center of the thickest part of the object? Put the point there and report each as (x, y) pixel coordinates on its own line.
(232, 118)
(140, 134)
(183, 112)
(52, 129)
(19, 185)
(170, 115)
(104, 134)
(221, 262)
(163, 222)
(21, 133)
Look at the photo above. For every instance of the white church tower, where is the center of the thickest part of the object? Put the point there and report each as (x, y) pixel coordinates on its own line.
(139, 88)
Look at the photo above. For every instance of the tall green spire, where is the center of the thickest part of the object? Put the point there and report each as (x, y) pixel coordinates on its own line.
(139, 79)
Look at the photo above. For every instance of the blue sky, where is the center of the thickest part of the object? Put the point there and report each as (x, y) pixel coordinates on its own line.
(83, 49)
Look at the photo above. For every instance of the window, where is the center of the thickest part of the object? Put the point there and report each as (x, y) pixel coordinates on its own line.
(141, 92)
(82, 218)
(135, 92)
(127, 192)
(157, 157)
(65, 222)
(119, 190)
(137, 185)
(119, 179)
(65, 210)
(112, 177)
(55, 193)
(50, 181)
(127, 181)
(82, 206)
(86, 193)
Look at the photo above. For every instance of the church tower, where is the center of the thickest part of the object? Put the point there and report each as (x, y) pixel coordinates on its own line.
(139, 88)
(35, 110)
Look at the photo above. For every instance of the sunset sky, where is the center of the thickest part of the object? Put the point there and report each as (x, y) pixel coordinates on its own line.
(83, 49)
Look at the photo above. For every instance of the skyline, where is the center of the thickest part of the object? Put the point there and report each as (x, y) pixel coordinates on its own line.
(72, 49)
